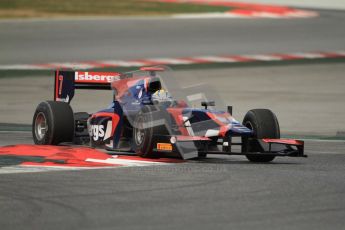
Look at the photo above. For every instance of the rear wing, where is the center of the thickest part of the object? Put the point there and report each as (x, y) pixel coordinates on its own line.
(67, 81)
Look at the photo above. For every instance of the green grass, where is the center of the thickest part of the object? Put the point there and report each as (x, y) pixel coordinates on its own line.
(60, 8)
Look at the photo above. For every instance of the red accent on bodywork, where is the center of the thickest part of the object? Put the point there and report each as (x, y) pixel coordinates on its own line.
(181, 104)
(284, 141)
(114, 118)
(223, 127)
(122, 85)
(146, 84)
(56, 85)
(177, 115)
(60, 78)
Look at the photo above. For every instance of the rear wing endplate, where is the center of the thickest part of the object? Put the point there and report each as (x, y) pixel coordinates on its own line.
(67, 81)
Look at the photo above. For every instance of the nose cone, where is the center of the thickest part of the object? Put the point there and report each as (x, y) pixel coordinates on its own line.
(237, 129)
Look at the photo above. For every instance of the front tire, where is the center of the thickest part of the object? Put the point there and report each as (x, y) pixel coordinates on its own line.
(264, 123)
(145, 128)
(143, 137)
(53, 123)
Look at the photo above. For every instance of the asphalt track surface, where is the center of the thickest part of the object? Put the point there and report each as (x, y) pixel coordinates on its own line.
(223, 192)
(41, 41)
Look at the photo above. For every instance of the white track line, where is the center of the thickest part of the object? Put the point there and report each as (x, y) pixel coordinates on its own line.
(215, 59)
(171, 61)
(125, 162)
(34, 169)
(263, 57)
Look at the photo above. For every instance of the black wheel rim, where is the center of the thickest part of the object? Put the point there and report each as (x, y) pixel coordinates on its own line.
(139, 132)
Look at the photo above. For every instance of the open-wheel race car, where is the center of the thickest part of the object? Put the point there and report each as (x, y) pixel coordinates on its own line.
(144, 118)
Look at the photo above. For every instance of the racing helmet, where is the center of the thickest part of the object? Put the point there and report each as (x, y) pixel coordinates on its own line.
(161, 95)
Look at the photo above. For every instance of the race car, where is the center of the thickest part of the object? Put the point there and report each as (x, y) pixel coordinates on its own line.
(144, 118)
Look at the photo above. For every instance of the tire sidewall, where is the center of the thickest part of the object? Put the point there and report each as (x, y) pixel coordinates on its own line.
(264, 123)
(148, 114)
(60, 121)
(49, 136)
(145, 147)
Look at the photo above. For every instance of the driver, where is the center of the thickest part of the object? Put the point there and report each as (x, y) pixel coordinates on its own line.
(162, 97)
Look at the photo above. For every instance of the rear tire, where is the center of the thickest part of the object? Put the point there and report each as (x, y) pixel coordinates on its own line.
(53, 123)
(264, 123)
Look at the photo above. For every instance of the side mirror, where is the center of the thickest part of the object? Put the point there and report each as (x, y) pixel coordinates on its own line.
(207, 103)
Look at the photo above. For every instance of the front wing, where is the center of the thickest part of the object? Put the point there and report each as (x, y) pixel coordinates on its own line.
(188, 147)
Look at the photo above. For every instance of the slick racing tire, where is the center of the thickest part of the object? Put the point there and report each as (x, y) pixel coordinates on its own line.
(264, 123)
(53, 123)
(145, 127)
